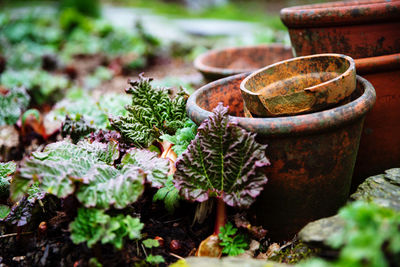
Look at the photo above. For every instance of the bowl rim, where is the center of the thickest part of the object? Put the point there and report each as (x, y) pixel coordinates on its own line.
(349, 70)
(204, 68)
(295, 124)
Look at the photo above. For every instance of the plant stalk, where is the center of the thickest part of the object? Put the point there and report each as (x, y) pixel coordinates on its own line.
(220, 219)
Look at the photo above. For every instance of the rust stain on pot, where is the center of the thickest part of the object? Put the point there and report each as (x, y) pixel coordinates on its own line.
(299, 85)
(312, 156)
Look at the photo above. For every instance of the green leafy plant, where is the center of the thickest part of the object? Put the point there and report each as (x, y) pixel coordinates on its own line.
(223, 161)
(93, 225)
(12, 103)
(95, 113)
(370, 237)
(84, 169)
(153, 259)
(42, 85)
(182, 137)
(155, 168)
(151, 114)
(233, 244)
(76, 129)
(4, 211)
(6, 169)
(169, 194)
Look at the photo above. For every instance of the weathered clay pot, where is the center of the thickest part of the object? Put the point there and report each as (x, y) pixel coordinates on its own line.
(380, 140)
(358, 29)
(312, 156)
(221, 63)
(368, 31)
(299, 85)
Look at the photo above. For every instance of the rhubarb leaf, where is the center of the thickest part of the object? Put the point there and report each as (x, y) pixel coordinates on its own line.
(151, 113)
(111, 187)
(223, 160)
(155, 168)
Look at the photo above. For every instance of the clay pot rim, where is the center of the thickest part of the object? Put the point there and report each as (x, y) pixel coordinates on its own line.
(341, 13)
(379, 63)
(348, 72)
(289, 125)
(204, 68)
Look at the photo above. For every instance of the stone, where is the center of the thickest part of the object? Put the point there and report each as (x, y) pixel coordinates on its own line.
(317, 232)
(383, 189)
(225, 262)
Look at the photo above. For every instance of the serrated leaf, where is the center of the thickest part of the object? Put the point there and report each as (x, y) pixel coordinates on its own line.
(224, 161)
(155, 168)
(232, 244)
(151, 113)
(88, 226)
(92, 225)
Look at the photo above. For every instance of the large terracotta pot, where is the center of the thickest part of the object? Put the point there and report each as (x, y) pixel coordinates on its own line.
(221, 63)
(368, 31)
(312, 156)
(355, 28)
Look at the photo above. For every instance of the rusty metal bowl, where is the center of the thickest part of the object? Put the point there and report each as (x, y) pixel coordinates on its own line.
(299, 85)
(221, 63)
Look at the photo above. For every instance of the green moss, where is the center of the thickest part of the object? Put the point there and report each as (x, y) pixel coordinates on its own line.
(294, 253)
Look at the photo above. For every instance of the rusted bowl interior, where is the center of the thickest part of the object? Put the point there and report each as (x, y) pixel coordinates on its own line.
(216, 64)
(299, 85)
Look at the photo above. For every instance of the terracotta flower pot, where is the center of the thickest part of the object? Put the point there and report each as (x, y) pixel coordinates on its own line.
(299, 85)
(380, 140)
(221, 63)
(368, 31)
(312, 156)
(355, 28)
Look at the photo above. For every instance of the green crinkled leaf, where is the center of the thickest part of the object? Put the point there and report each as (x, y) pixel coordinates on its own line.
(77, 128)
(151, 113)
(110, 186)
(169, 194)
(92, 225)
(155, 168)
(6, 169)
(95, 113)
(224, 161)
(84, 169)
(42, 85)
(182, 137)
(12, 104)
